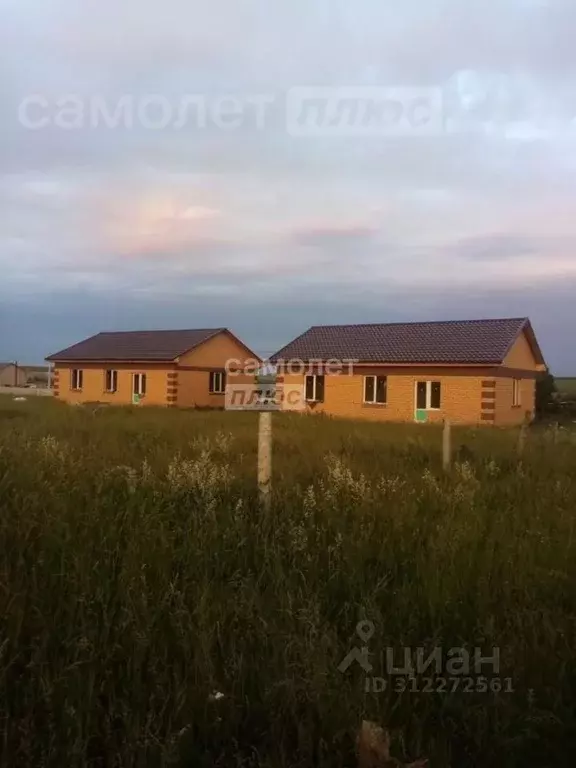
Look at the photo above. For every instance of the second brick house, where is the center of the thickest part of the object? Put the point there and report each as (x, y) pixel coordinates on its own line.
(471, 372)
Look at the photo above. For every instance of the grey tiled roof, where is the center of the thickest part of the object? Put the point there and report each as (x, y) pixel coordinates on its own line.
(452, 341)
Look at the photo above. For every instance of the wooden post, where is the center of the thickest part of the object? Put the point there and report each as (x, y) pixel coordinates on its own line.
(446, 445)
(522, 438)
(265, 458)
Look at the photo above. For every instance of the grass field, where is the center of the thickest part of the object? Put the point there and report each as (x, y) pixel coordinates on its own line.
(566, 386)
(139, 577)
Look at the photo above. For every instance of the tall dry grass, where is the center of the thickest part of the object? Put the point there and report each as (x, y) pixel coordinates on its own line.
(140, 580)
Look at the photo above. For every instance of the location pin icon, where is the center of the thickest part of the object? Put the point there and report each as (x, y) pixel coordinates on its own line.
(365, 630)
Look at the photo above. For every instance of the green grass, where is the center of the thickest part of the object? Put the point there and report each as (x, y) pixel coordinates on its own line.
(566, 386)
(138, 575)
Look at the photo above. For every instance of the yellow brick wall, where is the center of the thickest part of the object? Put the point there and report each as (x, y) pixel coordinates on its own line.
(460, 398)
(521, 355)
(506, 413)
(520, 358)
(194, 385)
(93, 385)
(192, 390)
(215, 352)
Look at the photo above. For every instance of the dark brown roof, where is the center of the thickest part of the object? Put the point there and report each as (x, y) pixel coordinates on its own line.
(136, 345)
(452, 341)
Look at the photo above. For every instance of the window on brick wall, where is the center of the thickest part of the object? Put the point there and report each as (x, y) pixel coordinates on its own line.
(76, 379)
(111, 381)
(516, 396)
(428, 395)
(435, 395)
(139, 384)
(421, 395)
(315, 389)
(375, 390)
(217, 384)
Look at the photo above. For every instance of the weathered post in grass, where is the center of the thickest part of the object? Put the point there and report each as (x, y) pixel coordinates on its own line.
(265, 458)
(267, 403)
(447, 445)
(522, 437)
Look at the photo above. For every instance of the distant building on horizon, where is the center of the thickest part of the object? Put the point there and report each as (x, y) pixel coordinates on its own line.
(12, 375)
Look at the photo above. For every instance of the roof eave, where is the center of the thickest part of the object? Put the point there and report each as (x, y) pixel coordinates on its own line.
(528, 330)
(212, 336)
(431, 363)
(216, 332)
(403, 363)
(533, 341)
(109, 360)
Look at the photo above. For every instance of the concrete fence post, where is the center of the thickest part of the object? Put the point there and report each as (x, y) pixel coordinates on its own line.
(447, 445)
(265, 458)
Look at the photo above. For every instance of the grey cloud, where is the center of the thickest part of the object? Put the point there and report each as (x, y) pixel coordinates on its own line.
(496, 247)
(40, 327)
(504, 166)
(334, 237)
(499, 247)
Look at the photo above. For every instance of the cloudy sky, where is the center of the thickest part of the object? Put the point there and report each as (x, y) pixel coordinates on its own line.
(240, 214)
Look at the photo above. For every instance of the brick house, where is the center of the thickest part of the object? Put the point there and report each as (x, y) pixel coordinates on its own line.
(471, 372)
(177, 368)
(12, 375)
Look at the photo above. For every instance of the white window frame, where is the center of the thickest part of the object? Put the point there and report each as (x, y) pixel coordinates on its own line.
(374, 401)
(315, 377)
(76, 379)
(219, 379)
(516, 393)
(140, 378)
(428, 395)
(113, 381)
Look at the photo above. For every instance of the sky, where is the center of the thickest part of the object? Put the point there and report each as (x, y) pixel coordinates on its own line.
(217, 195)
